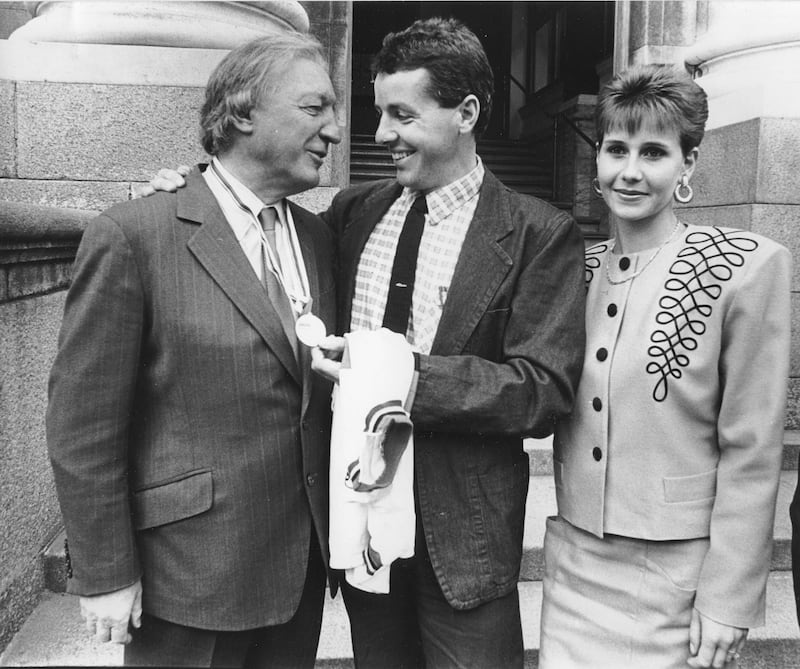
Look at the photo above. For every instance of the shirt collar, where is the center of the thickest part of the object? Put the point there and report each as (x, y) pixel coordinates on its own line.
(442, 202)
(248, 198)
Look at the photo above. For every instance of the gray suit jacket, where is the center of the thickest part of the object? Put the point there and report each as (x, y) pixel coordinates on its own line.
(188, 444)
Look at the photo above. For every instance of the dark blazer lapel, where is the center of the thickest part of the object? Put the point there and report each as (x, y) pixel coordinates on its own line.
(481, 268)
(356, 233)
(217, 250)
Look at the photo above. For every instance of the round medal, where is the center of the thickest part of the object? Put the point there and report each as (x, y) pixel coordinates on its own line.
(309, 329)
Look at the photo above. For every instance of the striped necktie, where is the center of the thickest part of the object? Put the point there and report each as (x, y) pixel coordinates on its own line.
(277, 295)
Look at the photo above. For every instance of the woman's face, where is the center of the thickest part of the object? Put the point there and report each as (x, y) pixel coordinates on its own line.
(638, 173)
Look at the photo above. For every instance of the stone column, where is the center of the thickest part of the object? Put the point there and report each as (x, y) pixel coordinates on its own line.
(748, 175)
(96, 96)
(656, 31)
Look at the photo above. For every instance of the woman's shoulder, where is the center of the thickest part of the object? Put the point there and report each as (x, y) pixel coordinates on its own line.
(734, 244)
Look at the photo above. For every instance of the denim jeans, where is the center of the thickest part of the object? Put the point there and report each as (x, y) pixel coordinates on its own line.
(414, 626)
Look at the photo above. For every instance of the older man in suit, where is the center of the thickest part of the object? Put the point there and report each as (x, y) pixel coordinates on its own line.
(187, 434)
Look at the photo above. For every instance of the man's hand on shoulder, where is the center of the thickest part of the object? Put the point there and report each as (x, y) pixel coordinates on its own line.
(167, 180)
(107, 615)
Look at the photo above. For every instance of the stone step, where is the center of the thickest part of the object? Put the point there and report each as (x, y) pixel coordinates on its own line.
(541, 503)
(54, 636)
(540, 453)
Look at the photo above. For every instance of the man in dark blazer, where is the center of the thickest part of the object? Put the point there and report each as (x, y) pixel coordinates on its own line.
(187, 434)
(497, 316)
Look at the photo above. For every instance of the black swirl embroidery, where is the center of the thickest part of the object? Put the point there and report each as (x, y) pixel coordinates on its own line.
(694, 283)
(592, 262)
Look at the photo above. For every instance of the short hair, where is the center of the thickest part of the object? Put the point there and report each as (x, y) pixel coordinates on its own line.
(660, 94)
(453, 56)
(244, 76)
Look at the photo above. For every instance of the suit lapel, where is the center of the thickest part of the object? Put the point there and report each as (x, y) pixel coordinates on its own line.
(215, 247)
(482, 265)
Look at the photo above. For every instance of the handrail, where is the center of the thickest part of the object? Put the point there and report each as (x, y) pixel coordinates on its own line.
(556, 116)
(580, 132)
(514, 80)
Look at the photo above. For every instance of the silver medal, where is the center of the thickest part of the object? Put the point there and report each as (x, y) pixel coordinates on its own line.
(309, 329)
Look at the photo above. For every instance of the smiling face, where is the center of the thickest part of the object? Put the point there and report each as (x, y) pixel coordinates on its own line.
(431, 145)
(638, 173)
(289, 130)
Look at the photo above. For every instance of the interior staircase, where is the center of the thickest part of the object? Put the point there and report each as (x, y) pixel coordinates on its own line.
(54, 636)
(516, 164)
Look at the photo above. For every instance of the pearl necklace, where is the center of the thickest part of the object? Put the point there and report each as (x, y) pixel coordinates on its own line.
(644, 267)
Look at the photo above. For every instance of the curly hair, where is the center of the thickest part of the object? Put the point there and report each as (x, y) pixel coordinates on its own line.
(244, 76)
(660, 94)
(453, 56)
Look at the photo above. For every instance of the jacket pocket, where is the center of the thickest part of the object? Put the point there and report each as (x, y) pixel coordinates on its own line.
(182, 497)
(690, 488)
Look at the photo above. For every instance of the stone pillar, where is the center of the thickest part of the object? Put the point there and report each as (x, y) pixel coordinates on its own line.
(96, 96)
(576, 161)
(656, 31)
(748, 175)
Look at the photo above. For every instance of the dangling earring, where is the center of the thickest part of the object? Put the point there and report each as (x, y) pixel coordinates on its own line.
(596, 187)
(683, 191)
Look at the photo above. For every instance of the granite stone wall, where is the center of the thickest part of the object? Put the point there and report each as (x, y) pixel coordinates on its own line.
(37, 246)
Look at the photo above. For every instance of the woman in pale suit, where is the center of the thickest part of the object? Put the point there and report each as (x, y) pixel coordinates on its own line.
(667, 471)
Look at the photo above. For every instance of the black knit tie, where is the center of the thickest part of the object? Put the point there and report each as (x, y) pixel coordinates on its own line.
(401, 287)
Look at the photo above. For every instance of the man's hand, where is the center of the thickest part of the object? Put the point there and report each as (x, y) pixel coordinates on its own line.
(107, 616)
(166, 180)
(325, 357)
(713, 644)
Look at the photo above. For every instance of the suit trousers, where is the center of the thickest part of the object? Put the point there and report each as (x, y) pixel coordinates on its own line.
(414, 626)
(291, 645)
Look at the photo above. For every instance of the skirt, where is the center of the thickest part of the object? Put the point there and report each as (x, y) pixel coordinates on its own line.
(616, 602)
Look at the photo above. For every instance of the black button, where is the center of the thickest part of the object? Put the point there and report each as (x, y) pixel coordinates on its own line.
(597, 404)
(311, 479)
(612, 310)
(624, 263)
(597, 454)
(602, 354)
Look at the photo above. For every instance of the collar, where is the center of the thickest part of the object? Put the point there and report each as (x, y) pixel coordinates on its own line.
(239, 224)
(443, 201)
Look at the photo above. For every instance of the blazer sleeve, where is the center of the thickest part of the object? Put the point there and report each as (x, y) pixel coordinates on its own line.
(91, 392)
(754, 368)
(534, 380)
